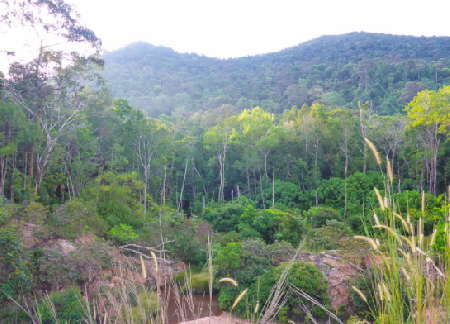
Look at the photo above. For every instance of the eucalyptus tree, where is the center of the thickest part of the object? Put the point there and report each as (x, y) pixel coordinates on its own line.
(428, 114)
(150, 139)
(217, 140)
(12, 124)
(52, 87)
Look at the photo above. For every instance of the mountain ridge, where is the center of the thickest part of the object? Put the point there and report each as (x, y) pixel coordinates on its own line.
(337, 70)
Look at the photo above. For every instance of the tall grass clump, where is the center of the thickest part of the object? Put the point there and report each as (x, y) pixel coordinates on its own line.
(411, 282)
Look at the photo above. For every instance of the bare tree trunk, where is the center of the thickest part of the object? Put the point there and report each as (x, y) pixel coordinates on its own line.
(13, 178)
(262, 196)
(180, 205)
(3, 170)
(273, 189)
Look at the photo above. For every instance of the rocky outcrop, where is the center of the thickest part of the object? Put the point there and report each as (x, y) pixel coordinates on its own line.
(339, 269)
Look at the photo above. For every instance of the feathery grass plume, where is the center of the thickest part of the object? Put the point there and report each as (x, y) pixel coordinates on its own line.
(405, 273)
(144, 271)
(369, 240)
(238, 299)
(374, 150)
(404, 223)
(423, 203)
(433, 237)
(233, 282)
(376, 219)
(156, 262)
(257, 307)
(360, 293)
(408, 218)
(406, 240)
(389, 170)
(385, 260)
(386, 202)
(388, 229)
(386, 291)
(380, 292)
(380, 200)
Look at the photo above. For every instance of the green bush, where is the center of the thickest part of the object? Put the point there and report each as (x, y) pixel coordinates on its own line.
(328, 237)
(320, 215)
(15, 275)
(225, 218)
(74, 218)
(68, 306)
(364, 282)
(123, 234)
(33, 212)
(57, 268)
(91, 257)
(305, 277)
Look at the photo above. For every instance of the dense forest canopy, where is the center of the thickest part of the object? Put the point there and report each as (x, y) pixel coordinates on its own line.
(333, 70)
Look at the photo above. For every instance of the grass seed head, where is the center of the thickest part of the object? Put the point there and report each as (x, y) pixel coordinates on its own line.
(144, 271)
(360, 293)
(238, 299)
(156, 262)
(374, 150)
(404, 223)
(233, 282)
(380, 200)
(368, 240)
(389, 171)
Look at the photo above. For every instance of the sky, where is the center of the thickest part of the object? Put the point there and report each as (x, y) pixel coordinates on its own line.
(235, 28)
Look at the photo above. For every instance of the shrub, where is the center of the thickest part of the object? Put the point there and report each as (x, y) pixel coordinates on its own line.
(57, 268)
(68, 306)
(305, 277)
(329, 237)
(91, 257)
(364, 282)
(225, 218)
(15, 275)
(123, 234)
(74, 218)
(33, 212)
(320, 215)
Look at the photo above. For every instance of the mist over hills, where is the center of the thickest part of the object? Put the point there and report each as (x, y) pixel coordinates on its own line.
(333, 70)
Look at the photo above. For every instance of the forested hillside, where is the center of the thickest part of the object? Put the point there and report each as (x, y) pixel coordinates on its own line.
(231, 166)
(332, 70)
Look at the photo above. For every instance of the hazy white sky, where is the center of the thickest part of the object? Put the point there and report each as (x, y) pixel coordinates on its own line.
(234, 28)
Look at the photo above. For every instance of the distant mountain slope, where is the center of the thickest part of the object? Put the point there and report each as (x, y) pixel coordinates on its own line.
(333, 70)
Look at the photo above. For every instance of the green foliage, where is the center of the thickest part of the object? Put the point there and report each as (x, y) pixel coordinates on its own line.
(73, 219)
(224, 218)
(33, 212)
(69, 306)
(57, 268)
(305, 277)
(441, 239)
(15, 274)
(183, 82)
(123, 234)
(320, 215)
(364, 282)
(332, 236)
